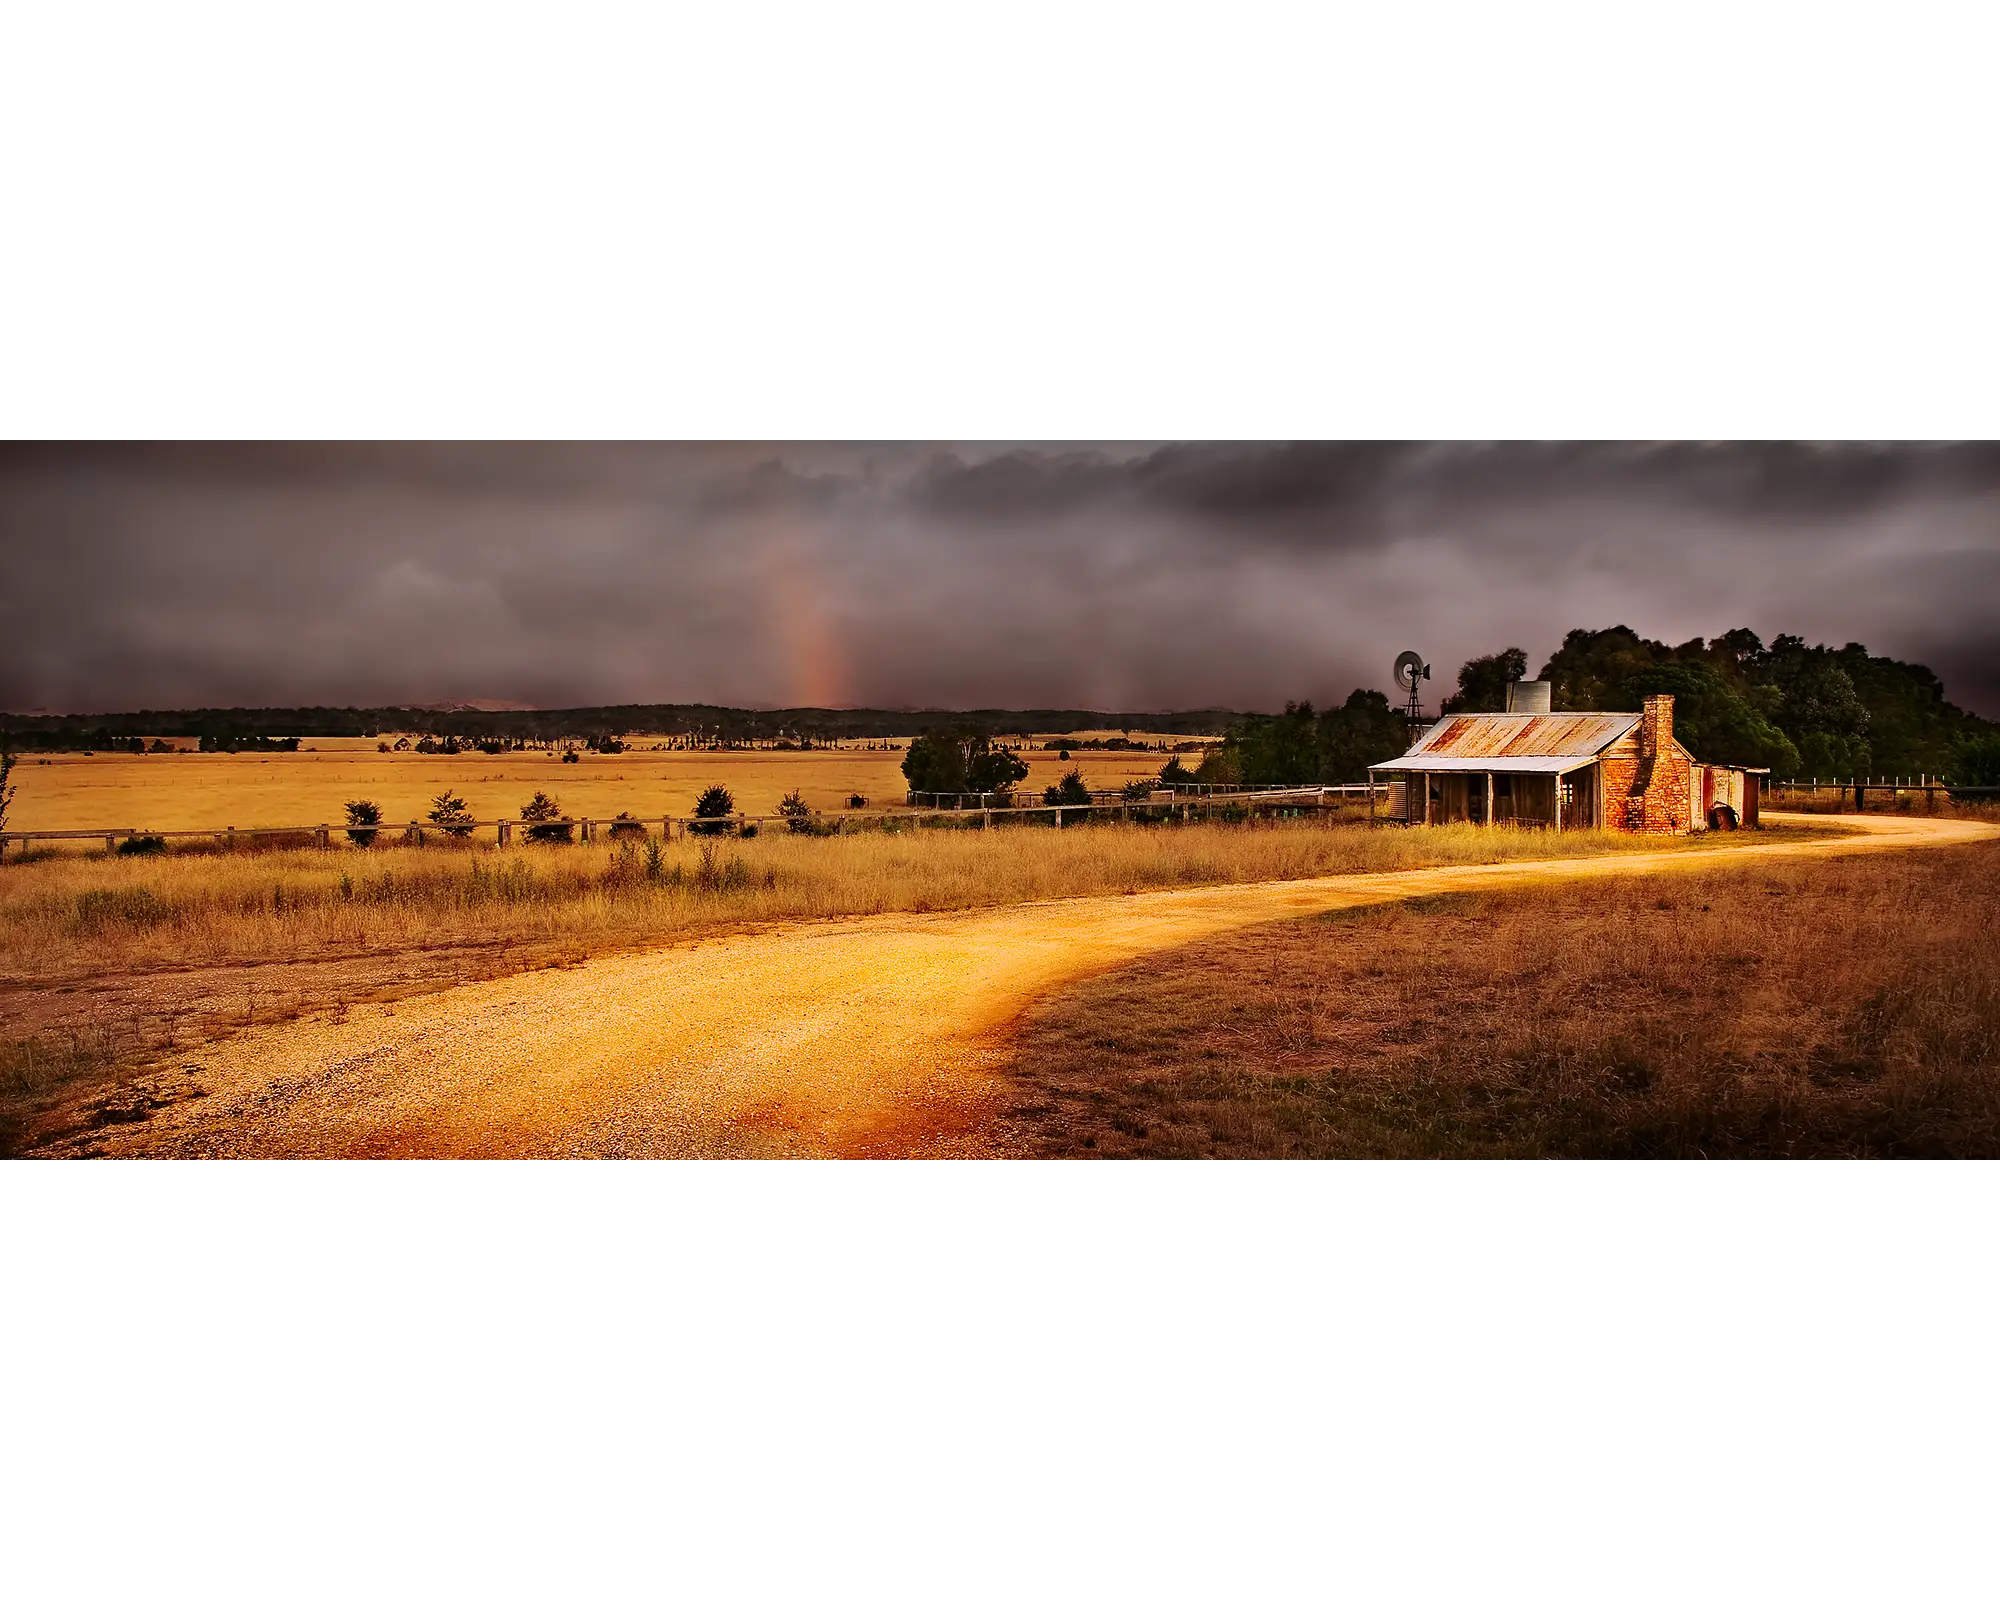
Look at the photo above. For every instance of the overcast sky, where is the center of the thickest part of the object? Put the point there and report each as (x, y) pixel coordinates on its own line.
(1129, 577)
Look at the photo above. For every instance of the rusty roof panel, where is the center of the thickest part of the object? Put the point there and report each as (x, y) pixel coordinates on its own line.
(1478, 736)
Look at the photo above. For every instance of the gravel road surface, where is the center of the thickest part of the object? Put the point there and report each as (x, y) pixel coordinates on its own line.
(872, 1036)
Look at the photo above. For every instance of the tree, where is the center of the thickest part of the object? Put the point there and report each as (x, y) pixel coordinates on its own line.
(452, 814)
(712, 808)
(1975, 760)
(363, 818)
(1072, 791)
(1482, 681)
(1174, 774)
(1363, 731)
(797, 814)
(960, 761)
(8, 761)
(542, 814)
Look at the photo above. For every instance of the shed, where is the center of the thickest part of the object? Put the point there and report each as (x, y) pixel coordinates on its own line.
(1622, 770)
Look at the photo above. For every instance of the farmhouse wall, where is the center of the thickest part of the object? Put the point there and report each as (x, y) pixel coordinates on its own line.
(1652, 793)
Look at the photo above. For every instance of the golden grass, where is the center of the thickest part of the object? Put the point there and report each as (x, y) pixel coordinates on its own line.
(107, 963)
(1849, 1006)
(68, 916)
(310, 788)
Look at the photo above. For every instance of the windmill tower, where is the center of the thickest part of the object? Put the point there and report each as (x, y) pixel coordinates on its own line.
(1411, 671)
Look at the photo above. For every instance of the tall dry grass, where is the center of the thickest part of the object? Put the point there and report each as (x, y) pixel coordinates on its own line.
(1844, 1007)
(72, 915)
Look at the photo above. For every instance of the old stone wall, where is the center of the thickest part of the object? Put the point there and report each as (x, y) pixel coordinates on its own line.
(1649, 796)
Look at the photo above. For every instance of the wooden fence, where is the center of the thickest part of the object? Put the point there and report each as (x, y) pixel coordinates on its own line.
(325, 836)
(1929, 785)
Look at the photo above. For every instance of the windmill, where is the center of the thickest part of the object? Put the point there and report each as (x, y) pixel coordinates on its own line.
(1411, 671)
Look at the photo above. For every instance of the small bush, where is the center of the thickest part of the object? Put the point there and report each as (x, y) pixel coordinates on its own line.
(142, 844)
(797, 814)
(627, 826)
(712, 810)
(571, 758)
(1072, 791)
(856, 802)
(451, 813)
(546, 822)
(363, 818)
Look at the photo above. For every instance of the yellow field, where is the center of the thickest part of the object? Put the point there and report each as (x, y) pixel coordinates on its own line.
(190, 790)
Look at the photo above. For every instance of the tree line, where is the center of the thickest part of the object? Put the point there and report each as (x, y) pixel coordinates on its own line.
(696, 725)
(1802, 710)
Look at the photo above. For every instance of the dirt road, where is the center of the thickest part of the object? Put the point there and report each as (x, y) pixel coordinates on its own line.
(875, 1036)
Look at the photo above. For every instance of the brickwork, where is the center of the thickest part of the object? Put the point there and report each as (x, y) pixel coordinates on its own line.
(1653, 794)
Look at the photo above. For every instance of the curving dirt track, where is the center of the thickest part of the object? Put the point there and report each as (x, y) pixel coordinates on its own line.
(875, 1036)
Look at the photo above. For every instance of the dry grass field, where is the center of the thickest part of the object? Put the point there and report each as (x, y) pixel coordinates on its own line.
(109, 962)
(310, 787)
(1840, 1007)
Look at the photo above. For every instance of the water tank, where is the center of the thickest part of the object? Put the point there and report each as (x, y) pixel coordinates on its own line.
(1531, 697)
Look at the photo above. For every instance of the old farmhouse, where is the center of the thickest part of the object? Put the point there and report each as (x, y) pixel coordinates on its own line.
(1568, 769)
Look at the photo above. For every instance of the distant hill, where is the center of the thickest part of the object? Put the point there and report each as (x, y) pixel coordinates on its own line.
(725, 724)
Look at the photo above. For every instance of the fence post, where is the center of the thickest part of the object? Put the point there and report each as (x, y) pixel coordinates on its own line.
(110, 844)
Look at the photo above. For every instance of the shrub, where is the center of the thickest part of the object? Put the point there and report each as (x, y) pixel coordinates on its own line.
(1072, 791)
(571, 757)
(1174, 773)
(8, 761)
(856, 801)
(1139, 789)
(542, 814)
(363, 818)
(712, 810)
(382, 746)
(142, 844)
(797, 814)
(627, 826)
(1062, 755)
(452, 814)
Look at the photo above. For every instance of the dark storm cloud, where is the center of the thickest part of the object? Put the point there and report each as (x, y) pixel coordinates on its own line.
(1119, 575)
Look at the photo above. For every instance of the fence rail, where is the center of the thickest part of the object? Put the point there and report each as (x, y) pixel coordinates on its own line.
(1929, 785)
(586, 829)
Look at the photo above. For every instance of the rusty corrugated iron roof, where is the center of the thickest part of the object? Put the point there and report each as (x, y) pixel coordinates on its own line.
(1550, 739)
(1542, 764)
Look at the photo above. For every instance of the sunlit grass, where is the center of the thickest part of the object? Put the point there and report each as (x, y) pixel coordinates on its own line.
(101, 913)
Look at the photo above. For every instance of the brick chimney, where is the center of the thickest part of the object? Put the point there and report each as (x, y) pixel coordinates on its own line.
(1656, 726)
(1651, 803)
